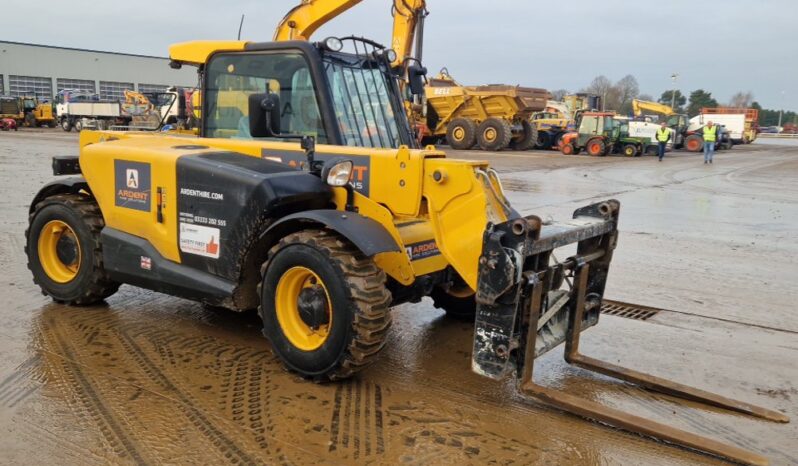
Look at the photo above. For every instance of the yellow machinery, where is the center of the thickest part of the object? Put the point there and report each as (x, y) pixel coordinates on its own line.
(316, 207)
(493, 117)
(38, 113)
(12, 108)
(692, 141)
(558, 118)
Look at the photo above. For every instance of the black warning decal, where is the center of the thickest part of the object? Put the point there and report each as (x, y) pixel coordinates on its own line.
(132, 185)
(422, 250)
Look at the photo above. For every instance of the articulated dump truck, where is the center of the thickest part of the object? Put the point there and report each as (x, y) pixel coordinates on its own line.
(493, 117)
(326, 216)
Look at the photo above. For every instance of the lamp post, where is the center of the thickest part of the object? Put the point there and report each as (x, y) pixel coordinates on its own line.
(674, 77)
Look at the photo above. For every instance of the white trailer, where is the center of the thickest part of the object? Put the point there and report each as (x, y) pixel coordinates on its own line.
(733, 122)
(648, 130)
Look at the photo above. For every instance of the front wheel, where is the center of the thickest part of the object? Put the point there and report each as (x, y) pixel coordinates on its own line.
(324, 305)
(460, 304)
(66, 125)
(64, 250)
(630, 150)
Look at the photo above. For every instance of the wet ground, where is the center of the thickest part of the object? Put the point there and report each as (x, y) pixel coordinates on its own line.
(151, 379)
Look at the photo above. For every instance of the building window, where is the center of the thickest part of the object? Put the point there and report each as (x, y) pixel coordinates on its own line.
(110, 90)
(2, 89)
(152, 88)
(19, 86)
(83, 85)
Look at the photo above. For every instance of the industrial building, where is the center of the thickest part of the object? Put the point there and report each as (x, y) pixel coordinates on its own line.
(44, 70)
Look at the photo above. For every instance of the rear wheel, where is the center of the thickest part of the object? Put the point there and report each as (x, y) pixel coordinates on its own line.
(652, 150)
(64, 250)
(596, 147)
(694, 143)
(30, 120)
(461, 133)
(79, 125)
(324, 305)
(494, 134)
(524, 139)
(567, 149)
(52, 123)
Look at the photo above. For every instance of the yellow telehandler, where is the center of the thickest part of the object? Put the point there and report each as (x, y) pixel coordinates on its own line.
(313, 204)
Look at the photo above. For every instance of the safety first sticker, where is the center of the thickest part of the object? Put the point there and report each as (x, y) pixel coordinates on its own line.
(199, 240)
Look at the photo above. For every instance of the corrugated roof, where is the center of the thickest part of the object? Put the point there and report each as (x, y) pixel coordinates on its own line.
(81, 50)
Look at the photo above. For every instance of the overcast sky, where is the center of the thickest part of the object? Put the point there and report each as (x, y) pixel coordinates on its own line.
(721, 46)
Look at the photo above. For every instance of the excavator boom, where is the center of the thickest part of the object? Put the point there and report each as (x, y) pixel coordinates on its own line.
(639, 106)
(304, 19)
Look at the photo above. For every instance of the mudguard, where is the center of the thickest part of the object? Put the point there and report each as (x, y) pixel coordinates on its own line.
(366, 234)
(72, 184)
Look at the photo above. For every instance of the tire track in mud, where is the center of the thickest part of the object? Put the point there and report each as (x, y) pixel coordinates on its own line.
(119, 439)
(18, 386)
(358, 406)
(217, 438)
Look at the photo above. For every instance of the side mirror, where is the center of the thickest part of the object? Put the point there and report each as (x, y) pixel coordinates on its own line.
(264, 115)
(415, 77)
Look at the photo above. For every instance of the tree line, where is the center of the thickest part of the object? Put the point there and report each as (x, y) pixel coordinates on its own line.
(618, 96)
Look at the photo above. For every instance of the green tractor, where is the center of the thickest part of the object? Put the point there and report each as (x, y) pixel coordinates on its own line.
(600, 134)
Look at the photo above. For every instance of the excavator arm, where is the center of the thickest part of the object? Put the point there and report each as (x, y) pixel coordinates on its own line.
(639, 106)
(307, 17)
(408, 22)
(304, 19)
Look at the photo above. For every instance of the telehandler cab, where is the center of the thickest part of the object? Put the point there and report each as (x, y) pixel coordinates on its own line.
(304, 197)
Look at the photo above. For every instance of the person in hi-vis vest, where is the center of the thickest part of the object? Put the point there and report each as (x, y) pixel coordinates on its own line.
(710, 137)
(663, 136)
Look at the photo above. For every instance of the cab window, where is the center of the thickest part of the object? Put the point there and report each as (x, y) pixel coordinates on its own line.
(232, 78)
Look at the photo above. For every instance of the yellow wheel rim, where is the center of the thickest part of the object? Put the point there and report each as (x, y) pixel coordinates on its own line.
(295, 329)
(458, 134)
(490, 134)
(59, 251)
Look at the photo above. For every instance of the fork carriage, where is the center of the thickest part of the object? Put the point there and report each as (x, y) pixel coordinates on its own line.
(523, 311)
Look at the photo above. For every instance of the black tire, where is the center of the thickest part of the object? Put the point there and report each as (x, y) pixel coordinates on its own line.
(526, 138)
(652, 150)
(30, 120)
(358, 298)
(596, 147)
(79, 125)
(694, 143)
(461, 133)
(81, 213)
(52, 123)
(544, 140)
(557, 141)
(494, 134)
(66, 124)
(630, 150)
(460, 308)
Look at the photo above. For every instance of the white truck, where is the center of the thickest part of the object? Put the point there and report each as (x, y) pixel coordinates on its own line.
(75, 109)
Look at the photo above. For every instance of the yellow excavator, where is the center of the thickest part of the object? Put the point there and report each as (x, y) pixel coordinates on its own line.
(313, 205)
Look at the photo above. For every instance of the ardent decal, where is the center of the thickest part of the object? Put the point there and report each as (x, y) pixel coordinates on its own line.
(132, 184)
(422, 250)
